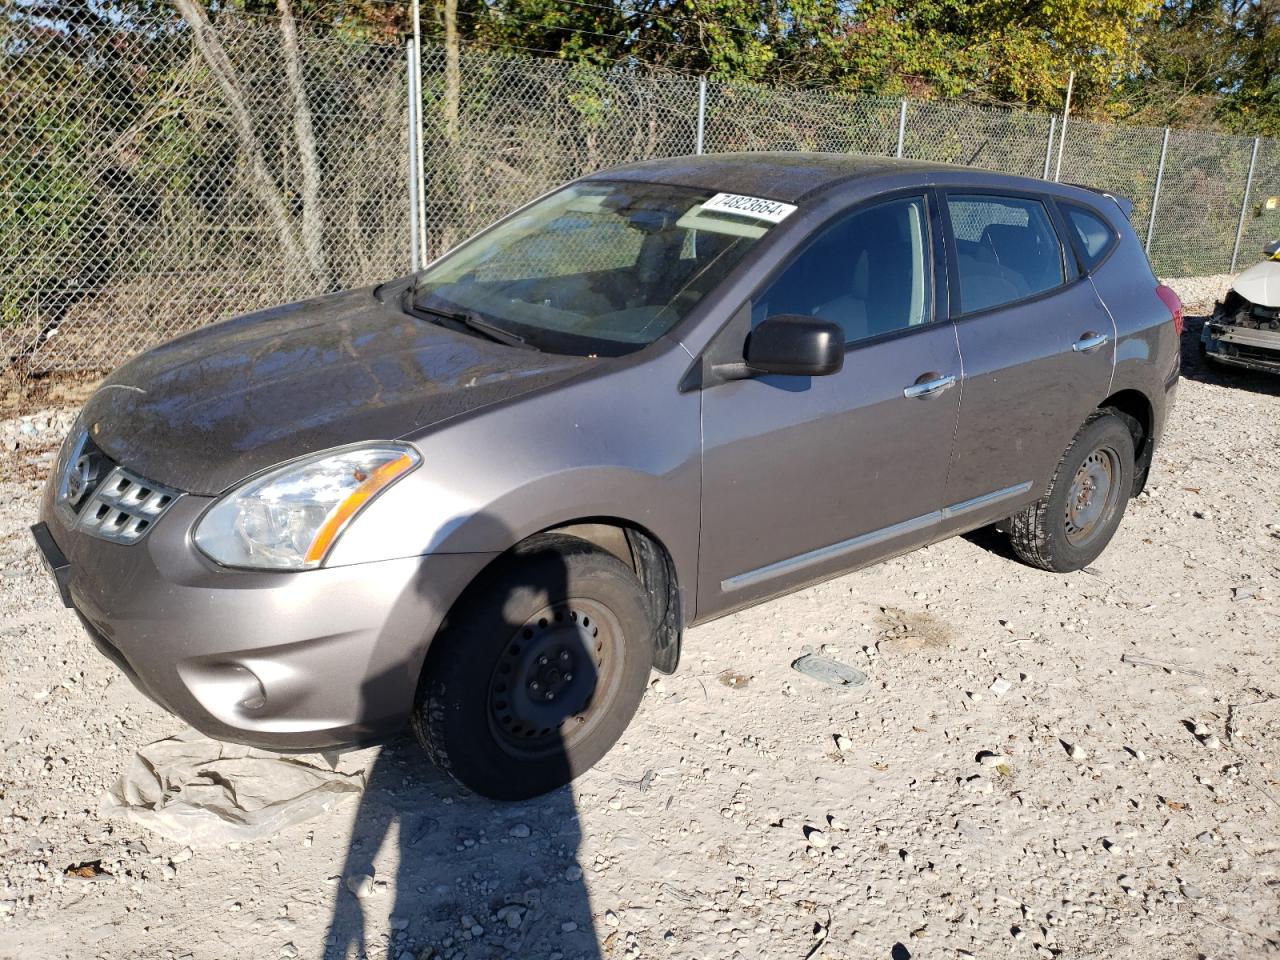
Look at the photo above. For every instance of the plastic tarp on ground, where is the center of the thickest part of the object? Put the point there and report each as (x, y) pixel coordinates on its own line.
(200, 791)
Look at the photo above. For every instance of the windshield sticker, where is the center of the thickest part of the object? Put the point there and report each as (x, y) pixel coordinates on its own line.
(756, 207)
(751, 229)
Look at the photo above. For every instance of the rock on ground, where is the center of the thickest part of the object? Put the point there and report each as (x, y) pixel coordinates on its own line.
(1200, 292)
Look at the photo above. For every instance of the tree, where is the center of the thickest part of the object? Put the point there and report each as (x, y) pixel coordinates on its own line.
(304, 133)
(1207, 63)
(224, 74)
(1199, 62)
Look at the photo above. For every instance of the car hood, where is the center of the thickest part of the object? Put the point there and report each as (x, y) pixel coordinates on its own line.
(1260, 284)
(208, 409)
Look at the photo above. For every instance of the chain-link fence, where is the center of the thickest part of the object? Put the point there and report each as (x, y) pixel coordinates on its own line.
(141, 196)
(163, 172)
(526, 125)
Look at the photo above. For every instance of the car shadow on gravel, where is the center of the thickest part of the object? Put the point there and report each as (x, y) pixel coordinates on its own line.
(1196, 367)
(993, 540)
(462, 876)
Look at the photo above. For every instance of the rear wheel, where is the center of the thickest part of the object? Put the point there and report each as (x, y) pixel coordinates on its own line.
(537, 671)
(1073, 522)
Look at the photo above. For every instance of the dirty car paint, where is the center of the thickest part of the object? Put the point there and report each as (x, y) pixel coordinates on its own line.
(207, 410)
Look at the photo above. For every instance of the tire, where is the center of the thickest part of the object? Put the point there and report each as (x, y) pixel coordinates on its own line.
(1049, 535)
(513, 702)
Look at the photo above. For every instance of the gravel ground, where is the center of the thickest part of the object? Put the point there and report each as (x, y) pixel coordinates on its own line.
(1119, 799)
(1200, 292)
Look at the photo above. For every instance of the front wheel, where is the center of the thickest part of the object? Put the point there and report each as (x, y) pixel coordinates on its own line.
(537, 671)
(1073, 522)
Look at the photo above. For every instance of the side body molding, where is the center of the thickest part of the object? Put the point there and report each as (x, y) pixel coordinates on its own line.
(854, 544)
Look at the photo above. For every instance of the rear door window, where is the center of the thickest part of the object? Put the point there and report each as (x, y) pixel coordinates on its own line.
(1005, 248)
(1094, 235)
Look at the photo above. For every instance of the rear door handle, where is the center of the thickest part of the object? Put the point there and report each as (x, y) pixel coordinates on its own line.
(929, 387)
(1089, 342)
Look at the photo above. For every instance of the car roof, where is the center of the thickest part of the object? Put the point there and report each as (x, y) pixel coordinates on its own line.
(792, 176)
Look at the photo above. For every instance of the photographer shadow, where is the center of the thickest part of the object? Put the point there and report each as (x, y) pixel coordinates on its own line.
(434, 870)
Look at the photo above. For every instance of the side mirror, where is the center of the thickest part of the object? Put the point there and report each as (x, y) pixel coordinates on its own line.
(1271, 249)
(796, 345)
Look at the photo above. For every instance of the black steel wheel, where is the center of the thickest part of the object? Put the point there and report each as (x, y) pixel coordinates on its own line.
(554, 677)
(537, 670)
(1092, 496)
(1070, 526)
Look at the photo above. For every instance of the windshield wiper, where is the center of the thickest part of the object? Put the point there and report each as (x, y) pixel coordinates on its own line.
(473, 322)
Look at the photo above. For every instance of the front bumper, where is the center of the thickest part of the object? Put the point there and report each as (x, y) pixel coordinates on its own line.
(1245, 347)
(284, 661)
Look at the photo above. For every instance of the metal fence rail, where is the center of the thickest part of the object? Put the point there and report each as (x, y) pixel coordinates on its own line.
(145, 191)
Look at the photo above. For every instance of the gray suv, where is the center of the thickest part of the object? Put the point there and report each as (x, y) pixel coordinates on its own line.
(487, 499)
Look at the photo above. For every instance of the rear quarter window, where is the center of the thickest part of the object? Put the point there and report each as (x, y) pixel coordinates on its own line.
(1093, 235)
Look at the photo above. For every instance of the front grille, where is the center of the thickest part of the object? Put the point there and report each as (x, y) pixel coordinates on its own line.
(124, 507)
(103, 499)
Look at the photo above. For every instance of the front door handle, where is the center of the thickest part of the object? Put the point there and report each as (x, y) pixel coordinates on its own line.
(928, 388)
(1089, 342)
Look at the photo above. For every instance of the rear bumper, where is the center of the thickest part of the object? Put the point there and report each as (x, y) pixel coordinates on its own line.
(283, 661)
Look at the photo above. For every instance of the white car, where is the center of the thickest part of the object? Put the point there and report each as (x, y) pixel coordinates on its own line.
(1244, 330)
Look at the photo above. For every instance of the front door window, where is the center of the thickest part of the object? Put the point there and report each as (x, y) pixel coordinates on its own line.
(868, 272)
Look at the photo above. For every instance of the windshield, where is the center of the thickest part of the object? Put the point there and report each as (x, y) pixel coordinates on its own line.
(596, 268)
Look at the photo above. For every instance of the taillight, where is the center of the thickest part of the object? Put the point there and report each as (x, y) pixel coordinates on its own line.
(1170, 300)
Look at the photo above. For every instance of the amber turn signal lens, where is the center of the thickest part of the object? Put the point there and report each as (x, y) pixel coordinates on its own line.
(340, 515)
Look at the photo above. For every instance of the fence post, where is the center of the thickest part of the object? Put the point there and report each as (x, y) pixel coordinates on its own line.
(415, 112)
(1062, 134)
(1048, 149)
(702, 114)
(1155, 195)
(1244, 204)
(415, 254)
(902, 126)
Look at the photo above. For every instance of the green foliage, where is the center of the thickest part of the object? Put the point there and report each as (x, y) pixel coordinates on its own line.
(45, 191)
(1207, 64)
(1187, 61)
(998, 50)
(589, 94)
(118, 157)
(1178, 62)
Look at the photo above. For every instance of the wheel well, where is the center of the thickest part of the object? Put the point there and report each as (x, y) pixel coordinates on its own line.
(1138, 415)
(653, 566)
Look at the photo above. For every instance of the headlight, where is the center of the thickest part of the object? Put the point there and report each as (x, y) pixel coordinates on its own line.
(288, 518)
